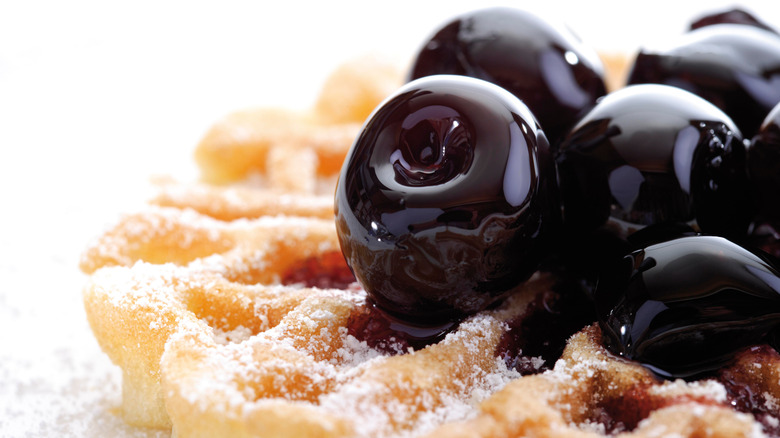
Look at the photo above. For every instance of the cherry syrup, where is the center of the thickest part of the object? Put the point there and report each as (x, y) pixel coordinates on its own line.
(536, 339)
(327, 271)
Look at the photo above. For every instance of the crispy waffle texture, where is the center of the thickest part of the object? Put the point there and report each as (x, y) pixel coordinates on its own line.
(207, 300)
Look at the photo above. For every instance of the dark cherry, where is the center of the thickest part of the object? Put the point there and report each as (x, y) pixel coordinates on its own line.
(731, 16)
(445, 199)
(736, 67)
(765, 237)
(579, 258)
(545, 65)
(652, 154)
(763, 161)
(659, 233)
(685, 306)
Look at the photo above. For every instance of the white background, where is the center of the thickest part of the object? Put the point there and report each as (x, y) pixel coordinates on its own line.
(95, 98)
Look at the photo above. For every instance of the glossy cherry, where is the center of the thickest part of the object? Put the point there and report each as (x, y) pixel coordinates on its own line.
(445, 199)
(731, 16)
(734, 66)
(763, 160)
(652, 154)
(685, 306)
(545, 65)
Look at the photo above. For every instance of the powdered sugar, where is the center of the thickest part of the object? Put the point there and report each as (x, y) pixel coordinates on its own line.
(375, 411)
(238, 334)
(357, 399)
(349, 383)
(55, 379)
(709, 389)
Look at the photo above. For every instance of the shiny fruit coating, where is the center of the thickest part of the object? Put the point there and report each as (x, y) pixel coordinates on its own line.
(654, 154)
(731, 16)
(445, 198)
(734, 66)
(763, 160)
(685, 306)
(543, 64)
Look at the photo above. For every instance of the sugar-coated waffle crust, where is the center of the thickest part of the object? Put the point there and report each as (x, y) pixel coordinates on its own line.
(230, 311)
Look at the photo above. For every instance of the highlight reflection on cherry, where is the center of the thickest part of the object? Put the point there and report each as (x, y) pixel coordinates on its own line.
(652, 154)
(736, 67)
(685, 306)
(543, 64)
(445, 199)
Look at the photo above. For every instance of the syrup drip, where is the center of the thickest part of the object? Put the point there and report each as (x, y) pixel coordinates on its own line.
(744, 394)
(391, 336)
(328, 271)
(536, 339)
(623, 412)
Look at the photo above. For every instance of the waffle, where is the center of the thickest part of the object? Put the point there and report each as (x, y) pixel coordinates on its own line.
(231, 312)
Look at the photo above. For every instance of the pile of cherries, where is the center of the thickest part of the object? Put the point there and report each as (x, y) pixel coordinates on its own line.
(504, 155)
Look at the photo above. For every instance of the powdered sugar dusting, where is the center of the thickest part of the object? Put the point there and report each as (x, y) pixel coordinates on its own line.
(348, 382)
(238, 334)
(357, 400)
(184, 236)
(376, 411)
(144, 286)
(709, 389)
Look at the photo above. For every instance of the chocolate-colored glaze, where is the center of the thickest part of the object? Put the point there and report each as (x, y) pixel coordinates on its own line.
(685, 306)
(445, 198)
(545, 65)
(652, 154)
(736, 67)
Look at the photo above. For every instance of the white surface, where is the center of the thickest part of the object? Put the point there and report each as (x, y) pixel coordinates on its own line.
(96, 98)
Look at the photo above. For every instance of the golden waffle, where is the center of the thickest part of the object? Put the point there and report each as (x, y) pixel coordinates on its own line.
(230, 311)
